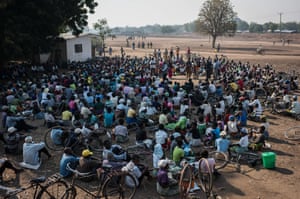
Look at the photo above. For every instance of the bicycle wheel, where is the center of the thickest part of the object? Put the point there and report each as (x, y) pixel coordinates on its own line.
(292, 133)
(56, 190)
(119, 185)
(220, 158)
(186, 180)
(249, 158)
(205, 176)
(48, 139)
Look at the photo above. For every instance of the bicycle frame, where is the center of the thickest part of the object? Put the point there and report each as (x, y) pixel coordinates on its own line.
(78, 175)
(34, 183)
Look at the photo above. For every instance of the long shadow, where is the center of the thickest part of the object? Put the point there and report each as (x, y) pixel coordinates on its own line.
(275, 124)
(277, 152)
(280, 141)
(283, 171)
(221, 185)
(272, 117)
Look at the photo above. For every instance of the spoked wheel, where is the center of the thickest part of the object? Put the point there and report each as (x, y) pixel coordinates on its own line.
(249, 158)
(292, 133)
(186, 181)
(220, 158)
(119, 185)
(57, 189)
(52, 141)
(205, 177)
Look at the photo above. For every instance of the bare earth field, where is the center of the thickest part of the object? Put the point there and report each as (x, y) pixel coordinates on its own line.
(283, 182)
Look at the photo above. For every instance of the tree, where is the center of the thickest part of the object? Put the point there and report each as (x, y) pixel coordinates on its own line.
(29, 27)
(254, 27)
(104, 31)
(269, 27)
(167, 29)
(217, 18)
(242, 25)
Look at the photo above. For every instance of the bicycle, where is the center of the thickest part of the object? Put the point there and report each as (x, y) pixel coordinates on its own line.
(90, 140)
(292, 133)
(223, 159)
(51, 187)
(112, 184)
(195, 173)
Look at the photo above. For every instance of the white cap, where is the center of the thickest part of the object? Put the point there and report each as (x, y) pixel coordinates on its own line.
(163, 163)
(11, 129)
(28, 139)
(77, 131)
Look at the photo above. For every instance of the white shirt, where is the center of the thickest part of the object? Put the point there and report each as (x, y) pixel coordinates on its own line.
(161, 136)
(244, 142)
(206, 108)
(211, 163)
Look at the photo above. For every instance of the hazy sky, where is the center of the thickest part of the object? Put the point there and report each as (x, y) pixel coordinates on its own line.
(169, 12)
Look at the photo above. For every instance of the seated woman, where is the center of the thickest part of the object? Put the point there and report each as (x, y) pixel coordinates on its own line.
(165, 186)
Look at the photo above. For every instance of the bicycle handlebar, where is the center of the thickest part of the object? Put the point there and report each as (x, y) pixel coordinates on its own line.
(77, 173)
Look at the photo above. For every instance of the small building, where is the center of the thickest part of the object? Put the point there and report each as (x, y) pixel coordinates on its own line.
(71, 48)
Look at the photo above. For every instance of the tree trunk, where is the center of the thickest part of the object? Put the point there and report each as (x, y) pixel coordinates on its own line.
(214, 37)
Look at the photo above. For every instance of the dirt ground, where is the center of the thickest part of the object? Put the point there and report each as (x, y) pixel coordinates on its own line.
(259, 183)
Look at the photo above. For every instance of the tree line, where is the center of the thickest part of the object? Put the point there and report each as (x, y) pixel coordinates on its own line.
(192, 28)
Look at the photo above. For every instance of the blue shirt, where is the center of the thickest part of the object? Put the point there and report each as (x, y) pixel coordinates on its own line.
(63, 164)
(222, 144)
(56, 136)
(108, 119)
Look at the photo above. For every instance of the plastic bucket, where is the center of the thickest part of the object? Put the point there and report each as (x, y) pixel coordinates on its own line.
(269, 159)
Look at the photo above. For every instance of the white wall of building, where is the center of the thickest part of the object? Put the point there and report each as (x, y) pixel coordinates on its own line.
(86, 53)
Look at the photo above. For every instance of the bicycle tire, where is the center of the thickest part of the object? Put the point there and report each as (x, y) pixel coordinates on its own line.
(205, 176)
(56, 190)
(116, 187)
(220, 158)
(185, 181)
(49, 142)
(249, 158)
(292, 133)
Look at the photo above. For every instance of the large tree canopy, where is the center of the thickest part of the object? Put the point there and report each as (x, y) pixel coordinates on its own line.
(27, 27)
(217, 18)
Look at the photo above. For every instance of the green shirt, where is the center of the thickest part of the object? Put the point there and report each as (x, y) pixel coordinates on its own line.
(178, 154)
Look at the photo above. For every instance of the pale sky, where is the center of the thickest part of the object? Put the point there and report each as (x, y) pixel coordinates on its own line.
(138, 13)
